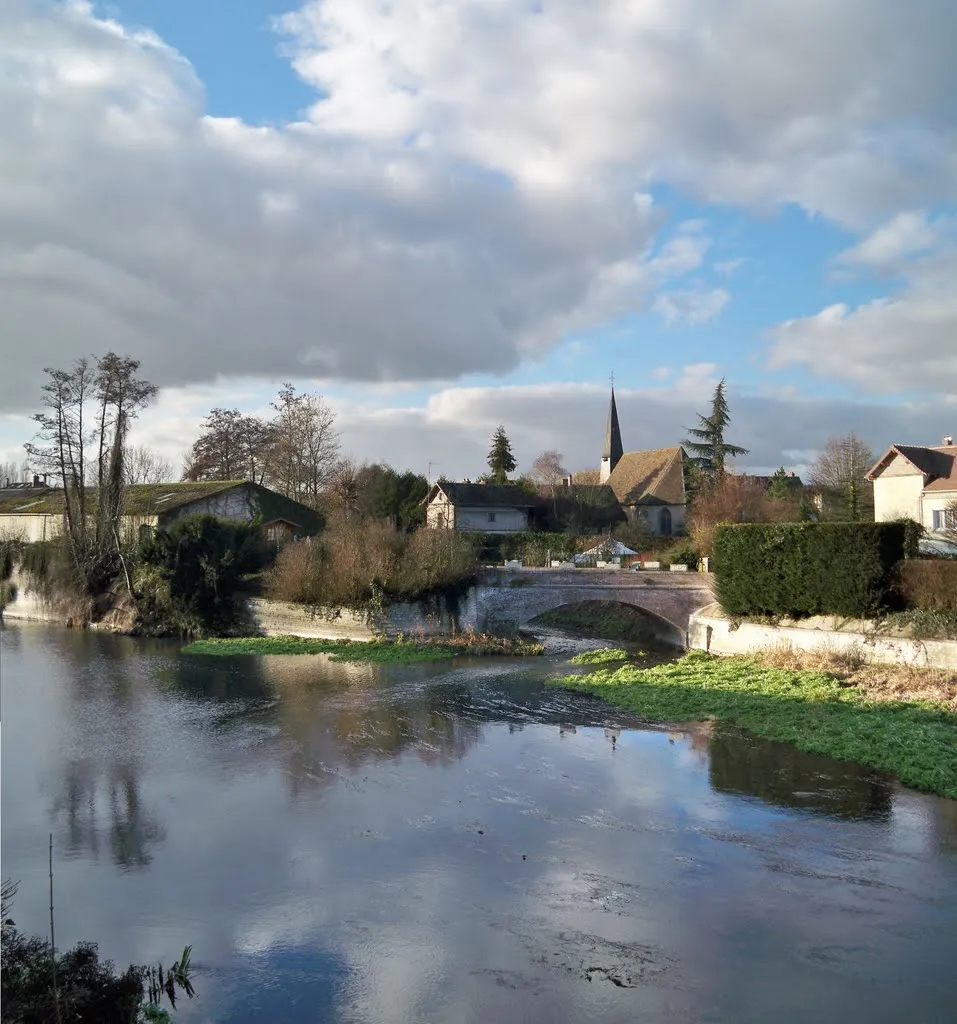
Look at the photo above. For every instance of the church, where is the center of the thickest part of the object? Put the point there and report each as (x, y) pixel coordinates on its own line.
(649, 485)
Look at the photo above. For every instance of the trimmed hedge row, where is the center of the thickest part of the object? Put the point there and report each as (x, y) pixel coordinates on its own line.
(801, 569)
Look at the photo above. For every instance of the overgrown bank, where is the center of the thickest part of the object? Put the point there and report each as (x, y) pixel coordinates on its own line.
(396, 649)
(814, 709)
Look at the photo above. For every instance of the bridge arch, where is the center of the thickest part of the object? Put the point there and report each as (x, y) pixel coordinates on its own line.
(659, 627)
(517, 597)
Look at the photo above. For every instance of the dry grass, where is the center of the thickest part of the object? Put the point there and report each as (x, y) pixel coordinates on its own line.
(876, 681)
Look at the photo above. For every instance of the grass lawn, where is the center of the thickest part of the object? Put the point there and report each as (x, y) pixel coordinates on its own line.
(397, 650)
(814, 710)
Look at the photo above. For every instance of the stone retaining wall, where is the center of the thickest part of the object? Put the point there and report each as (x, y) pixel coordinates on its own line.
(711, 630)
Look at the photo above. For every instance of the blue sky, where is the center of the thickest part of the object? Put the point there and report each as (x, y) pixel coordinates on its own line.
(446, 215)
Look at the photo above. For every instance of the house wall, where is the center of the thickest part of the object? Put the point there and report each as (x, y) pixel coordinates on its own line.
(237, 503)
(30, 528)
(897, 492)
(651, 516)
(440, 514)
(936, 501)
(507, 520)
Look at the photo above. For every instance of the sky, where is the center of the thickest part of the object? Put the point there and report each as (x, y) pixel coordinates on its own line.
(443, 215)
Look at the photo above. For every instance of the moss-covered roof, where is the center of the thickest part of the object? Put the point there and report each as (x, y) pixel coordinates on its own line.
(160, 499)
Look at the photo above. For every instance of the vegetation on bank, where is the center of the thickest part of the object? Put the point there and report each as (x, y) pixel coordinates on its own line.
(815, 710)
(397, 649)
(366, 565)
(604, 656)
(39, 985)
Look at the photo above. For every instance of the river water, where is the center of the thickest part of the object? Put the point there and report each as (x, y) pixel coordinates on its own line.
(456, 842)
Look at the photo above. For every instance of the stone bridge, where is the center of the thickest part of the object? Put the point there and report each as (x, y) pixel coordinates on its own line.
(515, 597)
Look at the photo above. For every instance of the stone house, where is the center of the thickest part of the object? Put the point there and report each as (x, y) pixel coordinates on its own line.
(917, 483)
(479, 508)
(34, 512)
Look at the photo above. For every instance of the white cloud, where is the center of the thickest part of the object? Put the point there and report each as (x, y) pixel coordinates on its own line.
(889, 345)
(690, 307)
(755, 103)
(727, 267)
(904, 235)
(472, 185)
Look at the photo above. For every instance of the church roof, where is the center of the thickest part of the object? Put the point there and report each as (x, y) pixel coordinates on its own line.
(653, 477)
(613, 446)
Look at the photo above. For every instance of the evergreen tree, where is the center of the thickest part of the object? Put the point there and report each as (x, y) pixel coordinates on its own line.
(706, 443)
(500, 460)
(778, 486)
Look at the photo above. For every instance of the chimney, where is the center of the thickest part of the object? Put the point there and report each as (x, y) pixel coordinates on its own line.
(568, 480)
(36, 480)
(948, 440)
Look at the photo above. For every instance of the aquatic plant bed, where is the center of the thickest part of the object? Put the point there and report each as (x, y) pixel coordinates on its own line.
(815, 711)
(392, 650)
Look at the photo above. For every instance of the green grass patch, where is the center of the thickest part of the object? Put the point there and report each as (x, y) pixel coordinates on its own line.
(604, 655)
(400, 649)
(917, 741)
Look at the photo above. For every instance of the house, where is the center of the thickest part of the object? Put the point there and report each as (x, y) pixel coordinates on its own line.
(917, 483)
(480, 508)
(33, 512)
(649, 485)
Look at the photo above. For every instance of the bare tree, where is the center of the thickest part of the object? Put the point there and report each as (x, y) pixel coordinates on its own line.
(840, 474)
(230, 446)
(13, 472)
(587, 477)
(305, 445)
(144, 465)
(547, 470)
(82, 441)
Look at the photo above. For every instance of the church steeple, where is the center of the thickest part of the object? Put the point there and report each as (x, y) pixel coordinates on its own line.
(613, 450)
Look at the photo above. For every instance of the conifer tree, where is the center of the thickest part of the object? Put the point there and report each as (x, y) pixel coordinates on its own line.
(706, 443)
(500, 459)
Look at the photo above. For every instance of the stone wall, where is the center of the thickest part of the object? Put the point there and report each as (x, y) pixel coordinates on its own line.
(711, 630)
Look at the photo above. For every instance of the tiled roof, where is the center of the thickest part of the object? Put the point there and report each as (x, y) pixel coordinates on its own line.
(947, 479)
(654, 477)
(939, 464)
(486, 495)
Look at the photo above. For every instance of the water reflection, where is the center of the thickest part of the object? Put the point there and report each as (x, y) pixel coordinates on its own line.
(781, 774)
(105, 809)
(458, 843)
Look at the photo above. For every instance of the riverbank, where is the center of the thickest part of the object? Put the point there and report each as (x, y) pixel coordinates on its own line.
(384, 650)
(814, 710)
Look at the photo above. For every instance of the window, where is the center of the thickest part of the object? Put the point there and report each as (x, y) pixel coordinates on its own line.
(491, 517)
(944, 519)
(664, 522)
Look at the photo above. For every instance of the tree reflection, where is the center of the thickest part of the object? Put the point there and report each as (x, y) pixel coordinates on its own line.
(782, 774)
(106, 810)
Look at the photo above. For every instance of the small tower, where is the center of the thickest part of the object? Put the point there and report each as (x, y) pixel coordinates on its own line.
(612, 452)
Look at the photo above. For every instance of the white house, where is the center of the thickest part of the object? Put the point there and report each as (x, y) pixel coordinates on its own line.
(480, 508)
(917, 483)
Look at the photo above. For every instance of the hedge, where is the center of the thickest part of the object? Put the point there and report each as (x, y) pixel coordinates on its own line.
(801, 569)
(930, 584)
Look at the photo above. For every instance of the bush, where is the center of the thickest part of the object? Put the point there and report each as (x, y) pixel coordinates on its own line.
(929, 584)
(800, 569)
(362, 564)
(682, 553)
(190, 578)
(913, 531)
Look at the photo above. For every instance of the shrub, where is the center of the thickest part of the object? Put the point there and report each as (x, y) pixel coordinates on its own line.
(913, 531)
(361, 564)
(682, 553)
(929, 584)
(734, 498)
(799, 569)
(191, 577)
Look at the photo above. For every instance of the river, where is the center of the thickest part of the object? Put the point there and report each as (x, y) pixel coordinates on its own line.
(457, 842)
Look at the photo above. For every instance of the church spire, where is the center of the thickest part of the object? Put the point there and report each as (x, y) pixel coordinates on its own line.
(613, 450)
